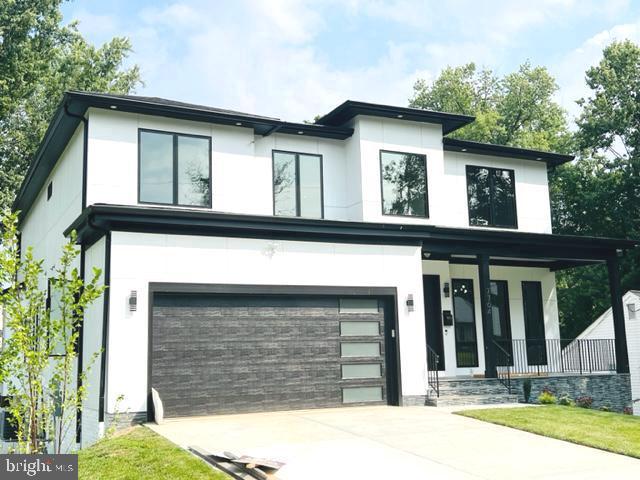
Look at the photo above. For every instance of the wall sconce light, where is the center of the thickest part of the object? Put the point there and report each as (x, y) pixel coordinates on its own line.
(446, 290)
(410, 302)
(133, 301)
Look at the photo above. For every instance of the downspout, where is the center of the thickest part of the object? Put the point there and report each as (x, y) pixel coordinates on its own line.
(85, 144)
(105, 317)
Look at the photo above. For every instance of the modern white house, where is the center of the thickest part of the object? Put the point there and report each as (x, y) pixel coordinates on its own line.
(602, 328)
(256, 264)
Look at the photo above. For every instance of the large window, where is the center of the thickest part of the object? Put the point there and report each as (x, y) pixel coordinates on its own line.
(175, 169)
(297, 185)
(404, 184)
(492, 197)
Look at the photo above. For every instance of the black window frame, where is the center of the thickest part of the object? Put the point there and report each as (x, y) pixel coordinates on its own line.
(491, 195)
(474, 322)
(297, 181)
(426, 185)
(175, 136)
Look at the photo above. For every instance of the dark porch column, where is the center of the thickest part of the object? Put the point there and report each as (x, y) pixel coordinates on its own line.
(622, 356)
(487, 322)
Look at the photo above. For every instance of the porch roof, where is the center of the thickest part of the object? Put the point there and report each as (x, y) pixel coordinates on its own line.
(458, 245)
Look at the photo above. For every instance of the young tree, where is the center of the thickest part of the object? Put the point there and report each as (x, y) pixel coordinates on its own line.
(40, 58)
(39, 355)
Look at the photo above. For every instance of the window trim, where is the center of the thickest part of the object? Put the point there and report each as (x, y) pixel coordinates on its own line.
(175, 136)
(491, 206)
(426, 185)
(297, 170)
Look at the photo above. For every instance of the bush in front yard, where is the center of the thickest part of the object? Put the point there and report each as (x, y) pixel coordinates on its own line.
(584, 401)
(566, 400)
(547, 397)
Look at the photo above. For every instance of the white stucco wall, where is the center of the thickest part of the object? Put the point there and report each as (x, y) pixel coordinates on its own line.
(138, 259)
(242, 168)
(514, 276)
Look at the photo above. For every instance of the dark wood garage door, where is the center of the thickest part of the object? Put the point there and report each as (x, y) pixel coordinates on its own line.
(213, 354)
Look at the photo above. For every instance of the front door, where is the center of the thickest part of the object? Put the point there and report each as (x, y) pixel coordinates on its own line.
(465, 323)
(433, 316)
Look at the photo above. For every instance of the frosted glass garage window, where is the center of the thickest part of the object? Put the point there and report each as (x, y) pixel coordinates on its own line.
(361, 370)
(356, 329)
(360, 349)
(174, 169)
(297, 185)
(358, 305)
(361, 394)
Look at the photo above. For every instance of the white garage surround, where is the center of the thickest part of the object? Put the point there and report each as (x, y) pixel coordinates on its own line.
(140, 259)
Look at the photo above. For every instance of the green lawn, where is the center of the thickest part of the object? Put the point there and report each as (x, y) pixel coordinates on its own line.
(141, 454)
(613, 432)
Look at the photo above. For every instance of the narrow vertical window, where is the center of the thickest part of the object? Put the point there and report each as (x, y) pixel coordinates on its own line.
(175, 169)
(404, 184)
(534, 323)
(297, 185)
(465, 323)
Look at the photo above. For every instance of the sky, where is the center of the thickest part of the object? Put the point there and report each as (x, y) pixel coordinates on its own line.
(295, 59)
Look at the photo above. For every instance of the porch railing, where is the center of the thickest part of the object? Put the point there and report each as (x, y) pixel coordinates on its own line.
(432, 370)
(549, 356)
(503, 362)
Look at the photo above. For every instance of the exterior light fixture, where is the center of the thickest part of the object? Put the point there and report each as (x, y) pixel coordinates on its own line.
(409, 302)
(113, 107)
(238, 124)
(463, 150)
(133, 301)
(446, 290)
(300, 132)
(400, 116)
(538, 158)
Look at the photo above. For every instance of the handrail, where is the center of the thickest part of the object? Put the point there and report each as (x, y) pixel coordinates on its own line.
(504, 379)
(432, 370)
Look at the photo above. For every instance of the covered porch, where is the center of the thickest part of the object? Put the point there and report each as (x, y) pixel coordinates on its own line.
(491, 306)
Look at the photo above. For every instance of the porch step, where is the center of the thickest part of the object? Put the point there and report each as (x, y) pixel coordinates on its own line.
(476, 391)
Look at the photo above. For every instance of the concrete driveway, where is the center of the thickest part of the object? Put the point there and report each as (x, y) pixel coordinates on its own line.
(391, 442)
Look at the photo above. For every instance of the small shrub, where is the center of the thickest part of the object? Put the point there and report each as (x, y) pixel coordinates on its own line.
(627, 411)
(605, 408)
(526, 389)
(547, 397)
(566, 400)
(584, 402)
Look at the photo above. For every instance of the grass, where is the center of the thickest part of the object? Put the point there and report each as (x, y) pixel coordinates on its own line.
(141, 454)
(608, 431)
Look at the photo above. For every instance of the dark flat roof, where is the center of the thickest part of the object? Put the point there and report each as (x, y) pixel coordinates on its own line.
(559, 251)
(466, 146)
(349, 109)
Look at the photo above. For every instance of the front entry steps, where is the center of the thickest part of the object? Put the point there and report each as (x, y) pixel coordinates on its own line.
(471, 391)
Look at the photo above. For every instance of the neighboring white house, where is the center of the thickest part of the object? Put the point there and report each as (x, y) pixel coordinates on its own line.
(602, 328)
(259, 264)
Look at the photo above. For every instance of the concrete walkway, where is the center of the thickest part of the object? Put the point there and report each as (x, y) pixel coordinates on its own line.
(391, 442)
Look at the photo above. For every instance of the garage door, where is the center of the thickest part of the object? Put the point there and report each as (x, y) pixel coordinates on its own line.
(213, 354)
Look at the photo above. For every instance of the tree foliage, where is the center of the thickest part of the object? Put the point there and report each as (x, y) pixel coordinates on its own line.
(517, 109)
(600, 194)
(38, 358)
(40, 59)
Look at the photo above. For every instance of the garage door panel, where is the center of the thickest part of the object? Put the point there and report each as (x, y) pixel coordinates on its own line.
(230, 354)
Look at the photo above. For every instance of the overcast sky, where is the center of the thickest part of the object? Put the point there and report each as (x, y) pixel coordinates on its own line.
(296, 59)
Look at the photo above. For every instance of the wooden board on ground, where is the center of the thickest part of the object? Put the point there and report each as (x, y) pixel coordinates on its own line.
(232, 465)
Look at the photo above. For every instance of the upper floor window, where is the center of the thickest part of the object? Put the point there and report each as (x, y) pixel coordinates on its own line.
(492, 197)
(404, 184)
(174, 169)
(297, 185)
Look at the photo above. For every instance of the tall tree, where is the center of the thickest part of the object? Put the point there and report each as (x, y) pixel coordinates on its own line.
(600, 194)
(40, 58)
(517, 109)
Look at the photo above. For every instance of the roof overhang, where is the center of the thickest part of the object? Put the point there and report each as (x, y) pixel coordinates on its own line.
(466, 146)
(349, 109)
(504, 247)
